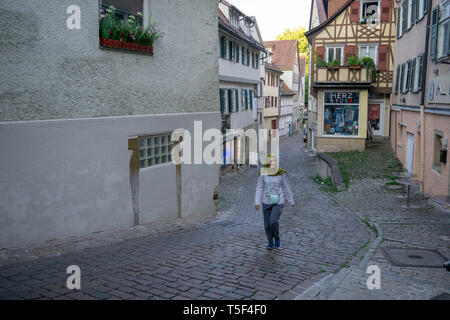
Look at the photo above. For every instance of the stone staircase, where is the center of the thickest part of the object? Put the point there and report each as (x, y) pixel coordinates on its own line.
(378, 143)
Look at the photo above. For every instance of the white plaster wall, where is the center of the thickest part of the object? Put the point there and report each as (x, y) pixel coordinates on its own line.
(61, 178)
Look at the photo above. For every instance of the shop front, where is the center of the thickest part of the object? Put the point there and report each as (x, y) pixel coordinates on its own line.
(342, 120)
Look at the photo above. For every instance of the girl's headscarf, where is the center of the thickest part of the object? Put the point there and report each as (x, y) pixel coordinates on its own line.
(267, 170)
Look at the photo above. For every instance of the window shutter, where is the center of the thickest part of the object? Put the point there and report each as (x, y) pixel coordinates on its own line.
(243, 55)
(404, 15)
(236, 98)
(238, 53)
(399, 18)
(413, 75)
(417, 6)
(434, 32)
(402, 78)
(383, 57)
(407, 75)
(397, 79)
(385, 10)
(248, 57)
(354, 11)
(251, 99)
(447, 38)
(420, 67)
(257, 60)
(222, 100)
(349, 51)
(320, 53)
(425, 6)
(230, 100)
(413, 11)
(223, 48)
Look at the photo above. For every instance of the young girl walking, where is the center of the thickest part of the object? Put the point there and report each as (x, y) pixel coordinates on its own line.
(272, 190)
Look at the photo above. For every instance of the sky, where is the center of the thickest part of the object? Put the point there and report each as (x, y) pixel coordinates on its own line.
(273, 16)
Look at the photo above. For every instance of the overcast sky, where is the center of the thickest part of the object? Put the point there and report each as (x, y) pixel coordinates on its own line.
(274, 16)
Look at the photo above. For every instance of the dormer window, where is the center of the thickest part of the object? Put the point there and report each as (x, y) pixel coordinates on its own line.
(234, 19)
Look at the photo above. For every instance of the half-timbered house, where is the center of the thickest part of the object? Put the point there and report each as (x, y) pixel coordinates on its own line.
(352, 97)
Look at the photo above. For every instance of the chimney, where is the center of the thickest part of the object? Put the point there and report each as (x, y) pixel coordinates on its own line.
(334, 6)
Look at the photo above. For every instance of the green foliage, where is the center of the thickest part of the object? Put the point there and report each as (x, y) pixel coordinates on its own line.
(334, 63)
(321, 63)
(297, 34)
(354, 61)
(370, 65)
(130, 30)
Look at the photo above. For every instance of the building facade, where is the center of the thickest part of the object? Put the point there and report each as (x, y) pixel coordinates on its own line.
(420, 115)
(287, 115)
(352, 100)
(240, 55)
(86, 130)
(272, 97)
(285, 56)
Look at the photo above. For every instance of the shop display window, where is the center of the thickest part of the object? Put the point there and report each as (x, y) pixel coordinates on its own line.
(341, 114)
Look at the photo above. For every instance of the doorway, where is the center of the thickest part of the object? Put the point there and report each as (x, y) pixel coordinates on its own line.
(376, 116)
(410, 153)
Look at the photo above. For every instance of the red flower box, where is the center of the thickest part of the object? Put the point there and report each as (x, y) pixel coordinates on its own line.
(109, 43)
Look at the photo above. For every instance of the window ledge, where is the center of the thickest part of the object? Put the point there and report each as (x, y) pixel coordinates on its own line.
(129, 47)
(437, 169)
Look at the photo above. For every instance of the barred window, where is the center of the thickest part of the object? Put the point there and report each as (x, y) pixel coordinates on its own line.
(155, 150)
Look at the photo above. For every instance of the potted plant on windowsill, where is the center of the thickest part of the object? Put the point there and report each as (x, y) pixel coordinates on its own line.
(335, 64)
(354, 63)
(321, 63)
(369, 64)
(129, 35)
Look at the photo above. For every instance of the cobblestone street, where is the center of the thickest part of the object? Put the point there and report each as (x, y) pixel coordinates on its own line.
(224, 258)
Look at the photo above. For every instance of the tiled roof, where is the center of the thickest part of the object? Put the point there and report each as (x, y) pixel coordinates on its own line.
(270, 66)
(284, 52)
(225, 25)
(285, 91)
(302, 63)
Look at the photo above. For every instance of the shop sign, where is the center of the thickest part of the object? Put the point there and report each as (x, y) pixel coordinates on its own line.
(342, 97)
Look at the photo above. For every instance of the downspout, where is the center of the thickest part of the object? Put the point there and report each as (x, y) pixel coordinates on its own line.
(422, 100)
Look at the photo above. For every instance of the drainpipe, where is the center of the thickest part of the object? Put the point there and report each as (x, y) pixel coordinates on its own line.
(422, 99)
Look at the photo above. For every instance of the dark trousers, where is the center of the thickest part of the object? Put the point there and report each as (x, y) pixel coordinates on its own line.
(272, 214)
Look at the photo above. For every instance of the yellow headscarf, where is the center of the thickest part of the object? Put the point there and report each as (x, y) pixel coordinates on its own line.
(267, 170)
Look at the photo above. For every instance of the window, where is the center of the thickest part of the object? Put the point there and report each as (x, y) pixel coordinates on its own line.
(223, 47)
(397, 79)
(230, 100)
(236, 99)
(125, 8)
(222, 100)
(341, 113)
(234, 19)
(437, 151)
(442, 29)
(402, 78)
(250, 99)
(155, 150)
(369, 50)
(404, 16)
(417, 74)
(335, 53)
(370, 9)
(406, 78)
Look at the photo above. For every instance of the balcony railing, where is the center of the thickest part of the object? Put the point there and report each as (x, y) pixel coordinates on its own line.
(343, 74)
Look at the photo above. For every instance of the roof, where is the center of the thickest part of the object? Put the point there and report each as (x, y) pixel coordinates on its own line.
(321, 12)
(272, 67)
(225, 25)
(284, 52)
(285, 91)
(311, 32)
(302, 63)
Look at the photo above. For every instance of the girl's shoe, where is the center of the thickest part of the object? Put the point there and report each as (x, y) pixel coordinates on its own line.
(269, 247)
(277, 244)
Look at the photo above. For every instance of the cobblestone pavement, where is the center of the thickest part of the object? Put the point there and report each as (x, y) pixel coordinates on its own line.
(224, 258)
(421, 226)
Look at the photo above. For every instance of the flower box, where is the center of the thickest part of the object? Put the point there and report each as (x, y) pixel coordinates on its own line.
(110, 43)
(354, 67)
(131, 46)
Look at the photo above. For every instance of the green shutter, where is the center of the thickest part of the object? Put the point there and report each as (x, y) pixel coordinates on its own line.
(399, 17)
(236, 98)
(447, 38)
(404, 15)
(420, 67)
(222, 100)
(408, 75)
(257, 60)
(248, 57)
(434, 32)
(413, 75)
(402, 78)
(397, 79)
(251, 99)
(425, 7)
(238, 53)
(413, 12)
(243, 55)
